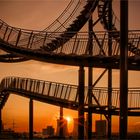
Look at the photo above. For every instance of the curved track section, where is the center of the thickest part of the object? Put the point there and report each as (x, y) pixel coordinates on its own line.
(75, 51)
(103, 9)
(72, 24)
(65, 95)
(67, 47)
(71, 20)
(6, 57)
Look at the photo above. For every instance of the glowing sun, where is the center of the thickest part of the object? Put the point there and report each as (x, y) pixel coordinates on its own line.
(68, 118)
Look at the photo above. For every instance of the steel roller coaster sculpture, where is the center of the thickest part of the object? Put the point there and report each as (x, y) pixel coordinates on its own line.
(63, 43)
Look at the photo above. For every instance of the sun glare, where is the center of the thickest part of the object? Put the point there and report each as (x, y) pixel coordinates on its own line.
(68, 118)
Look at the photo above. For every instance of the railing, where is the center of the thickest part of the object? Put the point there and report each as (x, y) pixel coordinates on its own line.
(35, 39)
(77, 45)
(133, 42)
(68, 93)
(101, 95)
(66, 18)
(50, 89)
(15, 35)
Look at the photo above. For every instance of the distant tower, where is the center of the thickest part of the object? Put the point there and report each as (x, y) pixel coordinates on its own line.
(64, 125)
(48, 131)
(62, 129)
(86, 127)
(75, 128)
(100, 128)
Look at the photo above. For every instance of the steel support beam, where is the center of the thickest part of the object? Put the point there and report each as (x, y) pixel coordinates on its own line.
(123, 69)
(89, 103)
(81, 84)
(109, 103)
(61, 134)
(31, 118)
(109, 70)
(99, 78)
(90, 75)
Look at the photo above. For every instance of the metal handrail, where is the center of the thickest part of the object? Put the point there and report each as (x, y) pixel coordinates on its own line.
(74, 4)
(81, 39)
(17, 29)
(67, 92)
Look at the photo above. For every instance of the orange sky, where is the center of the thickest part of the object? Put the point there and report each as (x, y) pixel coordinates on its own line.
(38, 15)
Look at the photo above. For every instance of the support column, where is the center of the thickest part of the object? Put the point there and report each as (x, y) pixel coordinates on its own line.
(81, 84)
(110, 71)
(90, 103)
(90, 75)
(109, 102)
(123, 69)
(31, 118)
(61, 132)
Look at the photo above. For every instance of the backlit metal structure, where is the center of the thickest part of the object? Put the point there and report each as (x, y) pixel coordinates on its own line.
(63, 43)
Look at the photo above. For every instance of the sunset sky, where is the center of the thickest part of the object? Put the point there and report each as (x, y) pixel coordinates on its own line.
(38, 14)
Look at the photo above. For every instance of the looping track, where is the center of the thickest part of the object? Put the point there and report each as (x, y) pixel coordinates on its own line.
(62, 43)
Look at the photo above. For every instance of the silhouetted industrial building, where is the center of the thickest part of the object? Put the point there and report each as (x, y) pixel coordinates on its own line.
(63, 125)
(75, 128)
(100, 128)
(48, 131)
